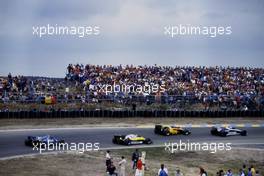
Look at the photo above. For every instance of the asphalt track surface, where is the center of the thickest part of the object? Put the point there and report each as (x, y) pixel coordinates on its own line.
(12, 141)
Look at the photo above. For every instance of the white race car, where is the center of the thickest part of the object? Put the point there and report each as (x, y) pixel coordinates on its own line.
(227, 131)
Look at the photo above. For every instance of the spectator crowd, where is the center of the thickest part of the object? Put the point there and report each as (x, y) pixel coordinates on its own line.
(240, 88)
(139, 167)
(244, 171)
(221, 87)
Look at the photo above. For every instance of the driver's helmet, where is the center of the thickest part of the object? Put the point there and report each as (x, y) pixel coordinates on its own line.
(130, 136)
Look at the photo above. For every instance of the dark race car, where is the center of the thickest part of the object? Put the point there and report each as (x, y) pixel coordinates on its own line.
(168, 130)
(131, 139)
(227, 131)
(40, 140)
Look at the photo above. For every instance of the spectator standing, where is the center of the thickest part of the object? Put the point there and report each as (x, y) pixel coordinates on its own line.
(249, 172)
(253, 170)
(139, 167)
(111, 169)
(244, 169)
(178, 173)
(122, 165)
(163, 171)
(229, 173)
(135, 157)
(108, 158)
(241, 173)
(220, 173)
(202, 172)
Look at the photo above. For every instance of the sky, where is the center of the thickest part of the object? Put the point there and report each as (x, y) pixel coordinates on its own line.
(131, 32)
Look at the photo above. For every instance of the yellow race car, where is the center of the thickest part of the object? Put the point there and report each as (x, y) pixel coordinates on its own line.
(168, 130)
(131, 139)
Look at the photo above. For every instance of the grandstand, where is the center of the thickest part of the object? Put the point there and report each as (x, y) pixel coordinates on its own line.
(185, 88)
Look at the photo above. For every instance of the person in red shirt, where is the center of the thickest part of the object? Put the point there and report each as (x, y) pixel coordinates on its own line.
(139, 164)
(139, 167)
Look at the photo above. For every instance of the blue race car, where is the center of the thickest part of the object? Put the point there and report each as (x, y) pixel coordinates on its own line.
(40, 140)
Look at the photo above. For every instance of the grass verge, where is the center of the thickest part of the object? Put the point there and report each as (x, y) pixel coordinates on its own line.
(93, 163)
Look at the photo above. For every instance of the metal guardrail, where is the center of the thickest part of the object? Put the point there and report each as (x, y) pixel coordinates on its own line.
(126, 114)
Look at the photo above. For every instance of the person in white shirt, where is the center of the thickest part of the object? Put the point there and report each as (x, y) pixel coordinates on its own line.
(122, 165)
(241, 173)
(163, 171)
(108, 158)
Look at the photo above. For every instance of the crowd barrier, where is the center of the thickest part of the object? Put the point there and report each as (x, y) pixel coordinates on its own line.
(127, 113)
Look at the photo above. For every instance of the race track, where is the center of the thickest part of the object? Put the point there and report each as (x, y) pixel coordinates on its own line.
(12, 141)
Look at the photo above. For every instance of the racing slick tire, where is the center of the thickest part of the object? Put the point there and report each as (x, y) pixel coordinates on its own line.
(114, 141)
(186, 133)
(213, 133)
(28, 143)
(148, 141)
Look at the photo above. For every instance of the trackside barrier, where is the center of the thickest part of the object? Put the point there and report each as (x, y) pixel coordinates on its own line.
(126, 113)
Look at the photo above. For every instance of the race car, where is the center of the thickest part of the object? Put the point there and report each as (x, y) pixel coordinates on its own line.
(40, 140)
(131, 139)
(227, 131)
(168, 130)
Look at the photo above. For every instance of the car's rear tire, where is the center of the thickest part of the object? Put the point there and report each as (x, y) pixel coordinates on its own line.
(28, 143)
(187, 133)
(114, 141)
(148, 141)
(214, 131)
